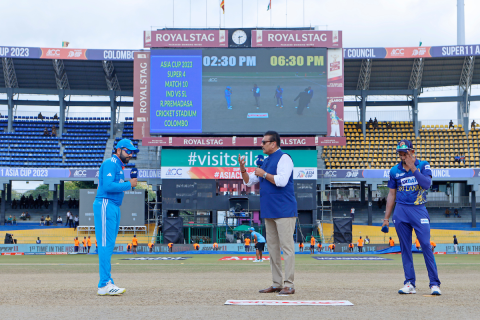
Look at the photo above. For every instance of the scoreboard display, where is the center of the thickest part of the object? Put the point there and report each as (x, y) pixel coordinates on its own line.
(238, 91)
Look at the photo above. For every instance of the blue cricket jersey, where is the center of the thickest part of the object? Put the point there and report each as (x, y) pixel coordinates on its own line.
(111, 182)
(260, 238)
(408, 190)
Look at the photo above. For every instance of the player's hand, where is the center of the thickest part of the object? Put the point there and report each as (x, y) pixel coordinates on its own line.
(385, 223)
(259, 172)
(410, 161)
(241, 162)
(133, 182)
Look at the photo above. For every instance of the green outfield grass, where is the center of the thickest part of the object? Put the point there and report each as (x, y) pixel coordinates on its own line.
(210, 263)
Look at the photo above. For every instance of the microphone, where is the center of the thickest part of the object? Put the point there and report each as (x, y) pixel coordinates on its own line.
(259, 161)
(133, 174)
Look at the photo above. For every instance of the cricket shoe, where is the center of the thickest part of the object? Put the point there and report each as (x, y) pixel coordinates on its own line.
(436, 291)
(407, 289)
(110, 290)
(256, 260)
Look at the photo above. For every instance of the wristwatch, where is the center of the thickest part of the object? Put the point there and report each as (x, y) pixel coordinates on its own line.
(265, 175)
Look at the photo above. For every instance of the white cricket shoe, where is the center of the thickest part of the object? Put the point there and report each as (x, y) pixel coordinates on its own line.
(110, 290)
(256, 260)
(407, 289)
(435, 291)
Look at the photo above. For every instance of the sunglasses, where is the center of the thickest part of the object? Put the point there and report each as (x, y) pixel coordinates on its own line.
(128, 151)
(265, 142)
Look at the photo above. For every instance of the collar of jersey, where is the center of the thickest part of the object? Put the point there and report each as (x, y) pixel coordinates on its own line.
(123, 167)
(400, 166)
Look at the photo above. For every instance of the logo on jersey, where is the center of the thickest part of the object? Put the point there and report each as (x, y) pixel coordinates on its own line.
(408, 181)
(400, 174)
(427, 166)
(424, 221)
(109, 175)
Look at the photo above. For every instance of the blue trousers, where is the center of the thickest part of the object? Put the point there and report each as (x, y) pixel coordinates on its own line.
(229, 101)
(107, 222)
(406, 218)
(280, 101)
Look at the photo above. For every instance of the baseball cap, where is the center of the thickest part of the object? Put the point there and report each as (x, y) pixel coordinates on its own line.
(404, 145)
(126, 143)
(251, 229)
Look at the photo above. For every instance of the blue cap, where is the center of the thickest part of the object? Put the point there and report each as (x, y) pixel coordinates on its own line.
(404, 145)
(251, 229)
(126, 143)
(228, 87)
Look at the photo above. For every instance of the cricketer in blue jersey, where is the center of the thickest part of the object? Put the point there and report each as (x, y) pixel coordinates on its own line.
(408, 183)
(106, 210)
(279, 96)
(228, 93)
(256, 95)
(259, 241)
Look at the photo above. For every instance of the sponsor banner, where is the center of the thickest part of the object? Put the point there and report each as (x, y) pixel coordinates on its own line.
(296, 38)
(35, 253)
(54, 253)
(468, 252)
(12, 253)
(455, 51)
(41, 173)
(335, 95)
(114, 54)
(240, 142)
(289, 303)
(385, 173)
(159, 258)
(364, 53)
(141, 95)
(410, 52)
(243, 258)
(185, 39)
(350, 258)
(61, 248)
(63, 53)
(223, 164)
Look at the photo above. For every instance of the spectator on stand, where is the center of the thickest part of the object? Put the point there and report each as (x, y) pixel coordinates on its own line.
(48, 220)
(450, 125)
(70, 220)
(22, 216)
(447, 213)
(370, 122)
(462, 158)
(42, 220)
(55, 117)
(455, 213)
(75, 222)
(40, 116)
(38, 241)
(389, 125)
(352, 213)
(367, 240)
(59, 221)
(27, 216)
(14, 204)
(54, 131)
(10, 220)
(473, 125)
(14, 220)
(45, 132)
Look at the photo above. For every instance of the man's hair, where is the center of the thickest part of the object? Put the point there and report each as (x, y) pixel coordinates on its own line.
(275, 136)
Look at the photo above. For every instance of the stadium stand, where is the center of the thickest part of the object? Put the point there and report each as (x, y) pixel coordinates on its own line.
(81, 146)
(436, 144)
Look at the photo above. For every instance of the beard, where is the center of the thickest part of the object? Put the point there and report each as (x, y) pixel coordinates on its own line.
(123, 158)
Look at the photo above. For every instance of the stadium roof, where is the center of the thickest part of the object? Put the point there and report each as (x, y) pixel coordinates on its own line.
(88, 72)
